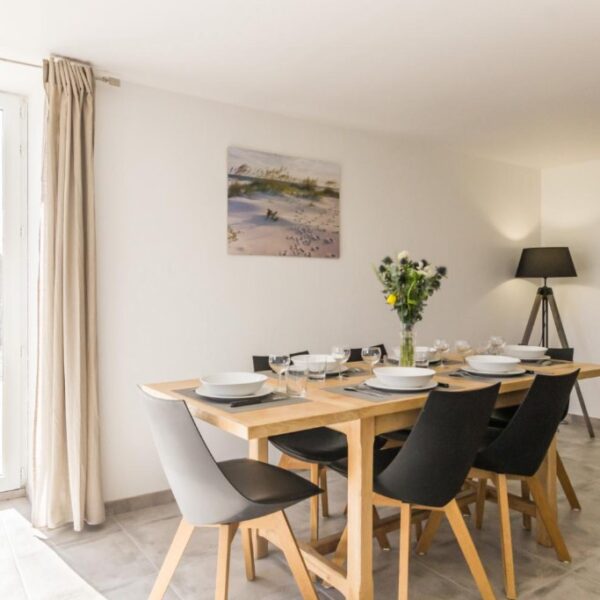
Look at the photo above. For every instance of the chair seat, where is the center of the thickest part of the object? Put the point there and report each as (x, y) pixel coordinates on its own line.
(489, 436)
(381, 459)
(267, 484)
(320, 445)
(501, 416)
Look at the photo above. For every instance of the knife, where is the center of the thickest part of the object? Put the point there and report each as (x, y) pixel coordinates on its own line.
(251, 401)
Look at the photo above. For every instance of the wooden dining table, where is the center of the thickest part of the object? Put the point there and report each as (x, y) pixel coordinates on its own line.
(326, 405)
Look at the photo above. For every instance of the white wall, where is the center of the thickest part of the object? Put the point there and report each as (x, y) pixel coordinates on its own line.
(571, 217)
(173, 304)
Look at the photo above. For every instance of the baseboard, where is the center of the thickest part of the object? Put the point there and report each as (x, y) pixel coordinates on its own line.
(115, 507)
(579, 420)
(12, 494)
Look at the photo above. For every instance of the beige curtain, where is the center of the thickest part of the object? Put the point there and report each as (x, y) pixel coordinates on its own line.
(65, 470)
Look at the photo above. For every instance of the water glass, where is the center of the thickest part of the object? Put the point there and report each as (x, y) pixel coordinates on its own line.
(296, 381)
(317, 368)
(441, 347)
(422, 357)
(463, 348)
(496, 344)
(279, 363)
(371, 355)
(340, 354)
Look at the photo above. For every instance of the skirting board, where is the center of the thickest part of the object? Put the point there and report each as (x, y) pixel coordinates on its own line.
(11, 494)
(116, 507)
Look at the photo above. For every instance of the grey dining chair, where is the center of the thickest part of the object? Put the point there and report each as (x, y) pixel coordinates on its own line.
(232, 494)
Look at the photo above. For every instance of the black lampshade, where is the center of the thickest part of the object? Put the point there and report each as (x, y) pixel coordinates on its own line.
(546, 262)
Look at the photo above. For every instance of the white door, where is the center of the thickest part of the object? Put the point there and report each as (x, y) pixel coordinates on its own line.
(13, 289)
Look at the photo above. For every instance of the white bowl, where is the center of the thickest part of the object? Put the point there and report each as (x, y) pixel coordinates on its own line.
(492, 364)
(232, 383)
(526, 352)
(404, 377)
(302, 360)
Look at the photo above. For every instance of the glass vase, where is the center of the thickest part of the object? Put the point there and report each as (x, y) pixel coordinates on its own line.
(407, 346)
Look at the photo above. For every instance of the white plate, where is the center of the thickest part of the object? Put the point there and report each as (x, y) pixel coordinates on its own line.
(535, 360)
(265, 390)
(377, 385)
(511, 373)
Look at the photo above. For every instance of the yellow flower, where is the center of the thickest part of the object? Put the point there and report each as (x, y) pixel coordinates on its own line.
(391, 299)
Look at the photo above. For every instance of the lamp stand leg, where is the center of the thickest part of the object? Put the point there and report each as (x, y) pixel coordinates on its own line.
(565, 344)
(535, 309)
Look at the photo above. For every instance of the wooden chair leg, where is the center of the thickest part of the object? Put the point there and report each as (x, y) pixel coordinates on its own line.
(525, 496)
(480, 502)
(549, 519)
(425, 539)
(248, 554)
(418, 530)
(324, 495)
(565, 482)
(463, 537)
(405, 528)
(506, 538)
(341, 552)
(174, 554)
(226, 535)
(314, 505)
(293, 556)
(384, 543)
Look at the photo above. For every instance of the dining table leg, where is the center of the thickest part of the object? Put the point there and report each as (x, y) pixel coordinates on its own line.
(547, 476)
(360, 435)
(258, 449)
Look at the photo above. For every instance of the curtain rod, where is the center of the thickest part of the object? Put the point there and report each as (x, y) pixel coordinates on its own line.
(105, 79)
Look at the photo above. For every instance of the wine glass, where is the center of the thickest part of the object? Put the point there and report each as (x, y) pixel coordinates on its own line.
(371, 355)
(340, 354)
(279, 363)
(496, 344)
(463, 348)
(441, 347)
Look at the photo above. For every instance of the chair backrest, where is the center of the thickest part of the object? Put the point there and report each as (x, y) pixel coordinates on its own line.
(261, 363)
(561, 353)
(204, 495)
(523, 443)
(355, 353)
(434, 462)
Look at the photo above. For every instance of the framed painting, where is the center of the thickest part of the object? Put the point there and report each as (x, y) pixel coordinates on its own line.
(282, 205)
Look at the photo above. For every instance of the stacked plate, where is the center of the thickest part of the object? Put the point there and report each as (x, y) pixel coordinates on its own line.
(485, 364)
(402, 379)
(225, 387)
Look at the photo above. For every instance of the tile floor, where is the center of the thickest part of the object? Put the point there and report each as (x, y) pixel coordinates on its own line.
(121, 558)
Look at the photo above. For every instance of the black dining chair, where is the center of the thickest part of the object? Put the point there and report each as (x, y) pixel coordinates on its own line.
(517, 452)
(309, 450)
(240, 493)
(356, 356)
(429, 470)
(502, 416)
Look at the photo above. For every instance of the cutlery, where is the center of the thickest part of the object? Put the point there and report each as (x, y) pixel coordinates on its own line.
(363, 390)
(251, 401)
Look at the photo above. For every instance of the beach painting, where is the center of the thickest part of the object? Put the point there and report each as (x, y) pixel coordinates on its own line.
(282, 206)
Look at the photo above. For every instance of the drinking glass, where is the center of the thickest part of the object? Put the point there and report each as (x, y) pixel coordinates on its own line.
(463, 348)
(317, 368)
(340, 354)
(441, 347)
(279, 363)
(496, 344)
(422, 357)
(371, 355)
(296, 381)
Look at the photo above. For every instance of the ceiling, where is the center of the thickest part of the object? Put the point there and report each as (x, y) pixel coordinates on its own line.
(517, 80)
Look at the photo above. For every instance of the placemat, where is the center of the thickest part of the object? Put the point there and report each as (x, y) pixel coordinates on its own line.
(370, 397)
(287, 400)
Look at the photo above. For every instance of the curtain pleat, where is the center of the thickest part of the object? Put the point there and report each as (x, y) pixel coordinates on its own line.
(66, 484)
